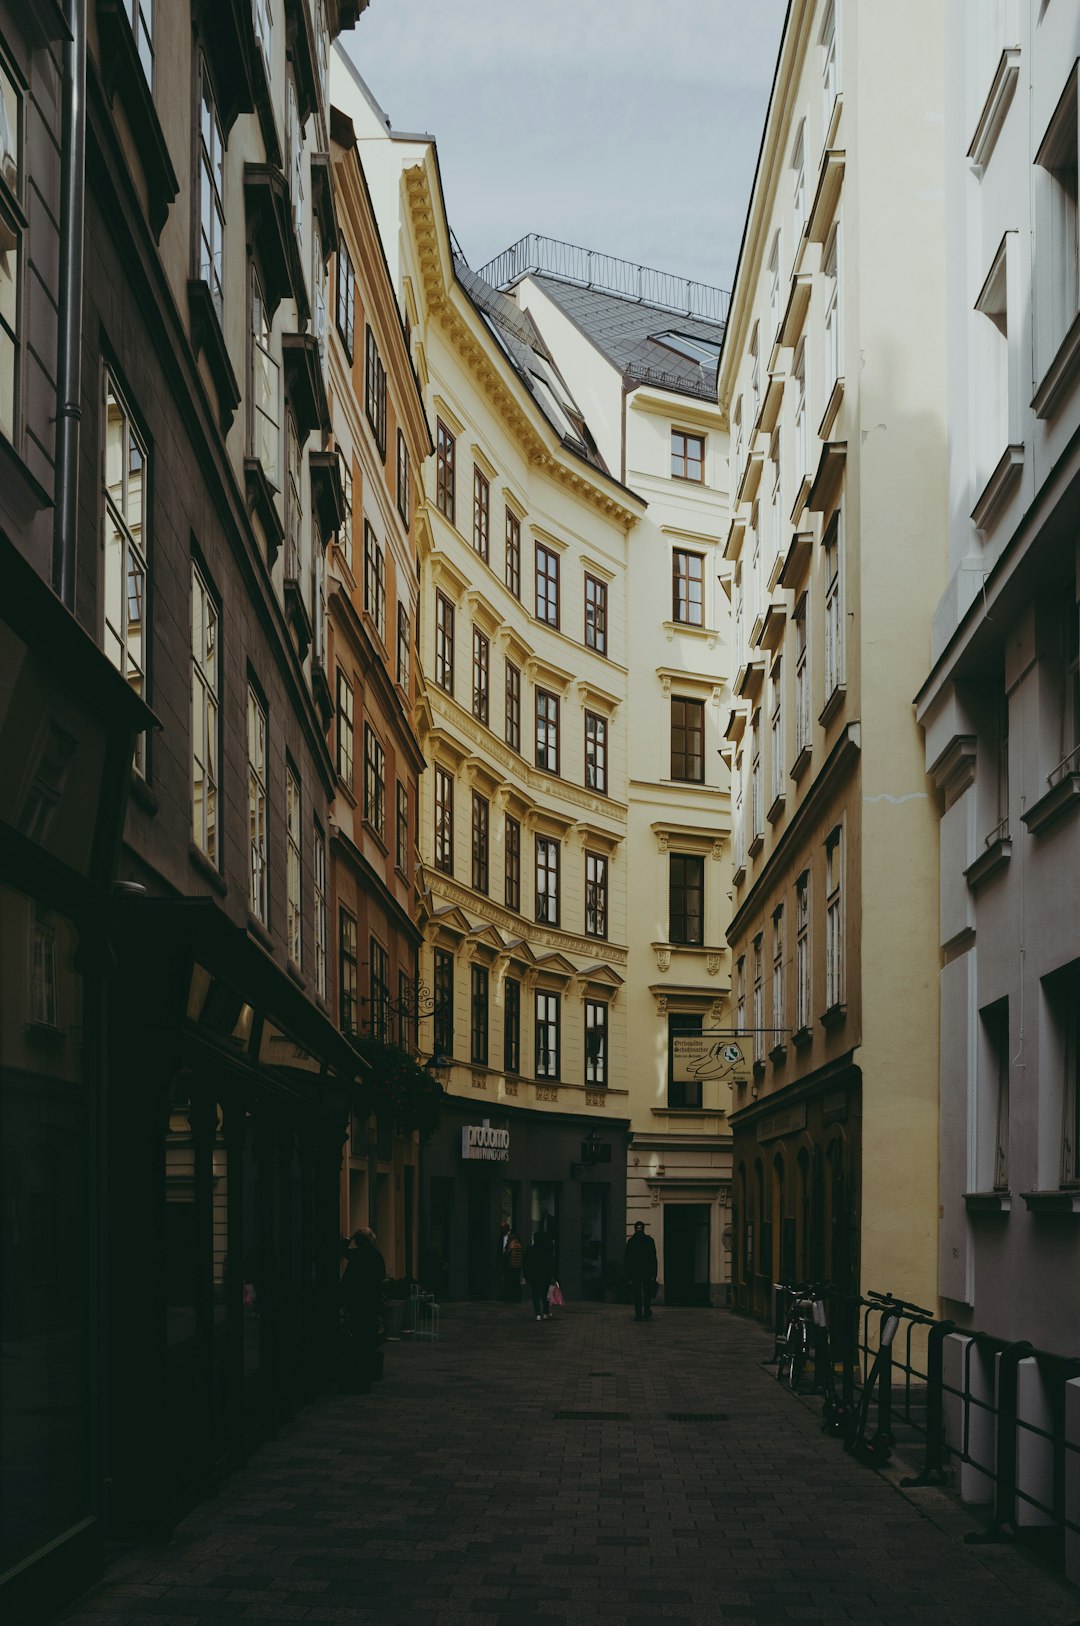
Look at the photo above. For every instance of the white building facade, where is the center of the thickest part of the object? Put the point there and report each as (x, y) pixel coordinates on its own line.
(1000, 708)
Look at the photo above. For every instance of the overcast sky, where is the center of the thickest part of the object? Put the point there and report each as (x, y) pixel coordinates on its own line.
(628, 126)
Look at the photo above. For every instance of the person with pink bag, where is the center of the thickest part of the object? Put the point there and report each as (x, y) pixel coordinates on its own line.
(539, 1270)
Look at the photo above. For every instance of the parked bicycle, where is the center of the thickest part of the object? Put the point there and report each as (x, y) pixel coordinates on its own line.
(805, 1338)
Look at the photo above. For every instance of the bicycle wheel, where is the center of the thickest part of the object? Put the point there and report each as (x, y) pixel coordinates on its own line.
(786, 1354)
(797, 1357)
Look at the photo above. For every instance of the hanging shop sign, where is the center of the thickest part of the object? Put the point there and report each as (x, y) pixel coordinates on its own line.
(481, 1143)
(726, 1057)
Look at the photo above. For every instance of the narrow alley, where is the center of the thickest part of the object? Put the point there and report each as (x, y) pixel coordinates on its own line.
(582, 1470)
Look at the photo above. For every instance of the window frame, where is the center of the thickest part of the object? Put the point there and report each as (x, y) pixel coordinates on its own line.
(345, 302)
(687, 731)
(481, 533)
(686, 878)
(374, 781)
(547, 585)
(404, 648)
(445, 470)
(512, 536)
(206, 707)
(512, 699)
(834, 918)
(134, 554)
(595, 628)
(481, 843)
(348, 972)
(512, 1026)
(547, 743)
(547, 1020)
(683, 582)
(345, 713)
(479, 1013)
(596, 895)
(378, 989)
(803, 956)
(318, 913)
(210, 163)
(596, 752)
(443, 803)
(546, 879)
(512, 863)
(442, 984)
(375, 390)
(401, 828)
(258, 770)
(375, 580)
(481, 676)
(294, 864)
(683, 460)
(596, 1064)
(404, 478)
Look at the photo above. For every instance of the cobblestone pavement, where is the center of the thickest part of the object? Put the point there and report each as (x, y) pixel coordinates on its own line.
(457, 1492)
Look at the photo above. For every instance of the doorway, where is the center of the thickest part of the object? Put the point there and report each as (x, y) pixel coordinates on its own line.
(594, 1215)
(686, 1253)
(482, 1244)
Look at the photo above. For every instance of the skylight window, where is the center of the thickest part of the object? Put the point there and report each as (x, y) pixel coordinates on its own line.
(704, 351)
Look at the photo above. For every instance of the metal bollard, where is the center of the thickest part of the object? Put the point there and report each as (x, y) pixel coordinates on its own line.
(935, 1405)
(1004, 1525)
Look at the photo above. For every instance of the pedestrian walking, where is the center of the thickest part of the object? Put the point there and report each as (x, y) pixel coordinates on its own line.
(539, 1268)
(639, 1263)
(513, 1258)
(361, 1300)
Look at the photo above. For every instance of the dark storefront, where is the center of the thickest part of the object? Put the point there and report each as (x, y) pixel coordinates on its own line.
(67, 730)
(796, 1188)
(230, 1096)
(549, 1172)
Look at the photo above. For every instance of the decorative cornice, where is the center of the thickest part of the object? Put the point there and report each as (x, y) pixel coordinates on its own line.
(463, 898)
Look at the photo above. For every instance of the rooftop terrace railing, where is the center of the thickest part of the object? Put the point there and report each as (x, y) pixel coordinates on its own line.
(587, 268)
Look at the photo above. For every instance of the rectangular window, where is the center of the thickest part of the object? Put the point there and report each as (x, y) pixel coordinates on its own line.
(774, 288)
(688, 588)
(596, 752)
(834, 609)
(834, 920)
(595, 615)
(688, 740)
(318, 597)
(444, 470)
(547, 1035)
(547, 880)
(126, 511)
(512, 872)
(1063, 1058)
(374, 580)
(320, 292)
(1069, 711)
(319, 918)
(257, 805)
(294, 136)
(683, 1094)
(443, 1018)
(481, 827)
(205, 724)
(211, 200)
(11, 229)
(345, 529)
(403, 480)
(778, 1010)
(481, 512)
(513, 706)
(547, 585)
(444, 643)
(596, 1026)
(347, 972)
(344, 729)
(513, 553)
(829, 78)
(757, 815)
(406, 1023)
(686, 898)
(802, 952)
(512, 1026)
(346, 297)
(481, 658)
(444, 821)
(798, 377)
(294, 509)
(596, 877)
(992, 1128)
(401, 855)
(687, 456)
(776, 730)
(547, 731)
(802, 680)
(374, 781)
(293, 865)
(759, 1003)
(1057, 229)
(834, 354)
(380, 990)
(375, 391)
(798, 180)
(478, 1046)
(404, 645)
(265, 387)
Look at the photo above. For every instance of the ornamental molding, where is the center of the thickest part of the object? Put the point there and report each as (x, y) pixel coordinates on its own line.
(514, 926)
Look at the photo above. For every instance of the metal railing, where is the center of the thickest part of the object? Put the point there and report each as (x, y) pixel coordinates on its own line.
(970, 1418)
(589, 269)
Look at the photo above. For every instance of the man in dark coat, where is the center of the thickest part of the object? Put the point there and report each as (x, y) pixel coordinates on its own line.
(361, 1299)
(639, 1263)
(539, 1268)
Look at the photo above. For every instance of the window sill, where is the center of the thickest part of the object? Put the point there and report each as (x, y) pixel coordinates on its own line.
(995, 107)
(346, 790)
(208, 870)
(261, 495)
(759, 1067)
(259, 932)
(1063, 1203)
(1062, 798)
(1060, 375)
(296, 974)
(803, 1036)
(835, 1014)
(739, 874)
(45, 1035)
(207, 337)
(756, 845)
(778, 1053)
(123, 71)
(376, 835)
(776, 810)
(691, 629)
(987, 1202)
(296, 612)
(145, 795)
(988, 863)
(832, 408)
(24, 496)
(997, 490)
(801, 763)
(832, 705)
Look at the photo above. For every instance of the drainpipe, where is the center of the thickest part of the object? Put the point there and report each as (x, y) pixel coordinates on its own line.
(69, 330)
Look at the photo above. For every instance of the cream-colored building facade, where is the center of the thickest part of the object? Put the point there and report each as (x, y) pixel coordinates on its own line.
(523, 642)
(833, 374)
(638, 349)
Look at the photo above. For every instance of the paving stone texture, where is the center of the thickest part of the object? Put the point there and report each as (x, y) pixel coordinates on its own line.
(454, 1493)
